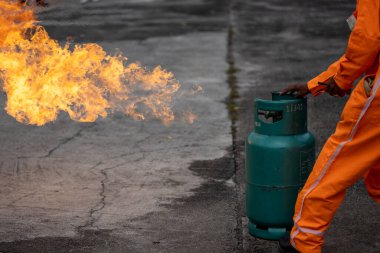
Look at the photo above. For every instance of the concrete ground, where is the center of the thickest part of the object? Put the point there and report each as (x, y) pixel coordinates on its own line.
(118, 185)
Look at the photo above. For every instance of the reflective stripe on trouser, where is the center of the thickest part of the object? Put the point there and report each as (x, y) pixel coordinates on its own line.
(349, 154)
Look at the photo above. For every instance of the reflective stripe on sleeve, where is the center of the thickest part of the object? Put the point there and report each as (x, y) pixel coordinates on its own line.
(309, 231)
(351, 21)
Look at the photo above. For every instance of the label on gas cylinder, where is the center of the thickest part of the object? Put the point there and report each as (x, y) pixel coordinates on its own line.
(294, 107)
(307, 158)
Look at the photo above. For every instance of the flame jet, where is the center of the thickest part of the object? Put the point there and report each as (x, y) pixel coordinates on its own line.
(42, 78)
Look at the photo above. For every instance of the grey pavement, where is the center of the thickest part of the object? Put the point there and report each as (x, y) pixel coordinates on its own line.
(119, 185)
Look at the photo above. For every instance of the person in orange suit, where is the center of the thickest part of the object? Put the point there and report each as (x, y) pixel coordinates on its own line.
(352, 152)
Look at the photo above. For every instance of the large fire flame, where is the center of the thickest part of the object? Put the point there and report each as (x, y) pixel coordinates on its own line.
(42, 78)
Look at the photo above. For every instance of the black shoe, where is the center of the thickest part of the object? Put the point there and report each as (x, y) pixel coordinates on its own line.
(284, 245)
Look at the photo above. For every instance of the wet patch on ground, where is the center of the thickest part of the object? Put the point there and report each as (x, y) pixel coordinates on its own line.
(187, 221)
(133, 20)
(89, 241)
(218, 169)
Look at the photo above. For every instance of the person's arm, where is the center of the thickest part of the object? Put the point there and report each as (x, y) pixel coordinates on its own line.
(362, 50)
(313, 85)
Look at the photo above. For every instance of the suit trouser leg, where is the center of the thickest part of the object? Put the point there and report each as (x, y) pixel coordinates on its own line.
(372, 182)
(349, 154)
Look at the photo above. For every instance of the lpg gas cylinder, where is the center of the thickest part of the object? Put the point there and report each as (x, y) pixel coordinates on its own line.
(280, 154)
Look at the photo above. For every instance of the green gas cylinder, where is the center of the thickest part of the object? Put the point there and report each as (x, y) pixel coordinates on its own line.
(280, 154)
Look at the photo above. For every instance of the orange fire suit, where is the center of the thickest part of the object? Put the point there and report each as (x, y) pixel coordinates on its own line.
(353, 150)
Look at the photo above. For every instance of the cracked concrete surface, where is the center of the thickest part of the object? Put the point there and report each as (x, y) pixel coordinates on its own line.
(66, 140)
(118, 179)
(116, 168)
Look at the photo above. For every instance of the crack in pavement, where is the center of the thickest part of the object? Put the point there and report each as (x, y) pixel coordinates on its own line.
(102, 202)
(67, 140)
(232, 106)
(20, 198)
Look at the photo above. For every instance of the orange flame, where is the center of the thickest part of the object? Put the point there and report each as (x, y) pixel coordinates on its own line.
(42, 78)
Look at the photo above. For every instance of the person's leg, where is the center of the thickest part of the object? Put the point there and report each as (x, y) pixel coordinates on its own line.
(372, 183)
(347, 155)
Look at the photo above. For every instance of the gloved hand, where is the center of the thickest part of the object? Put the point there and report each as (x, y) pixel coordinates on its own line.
(333, 89)
(300, 88)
